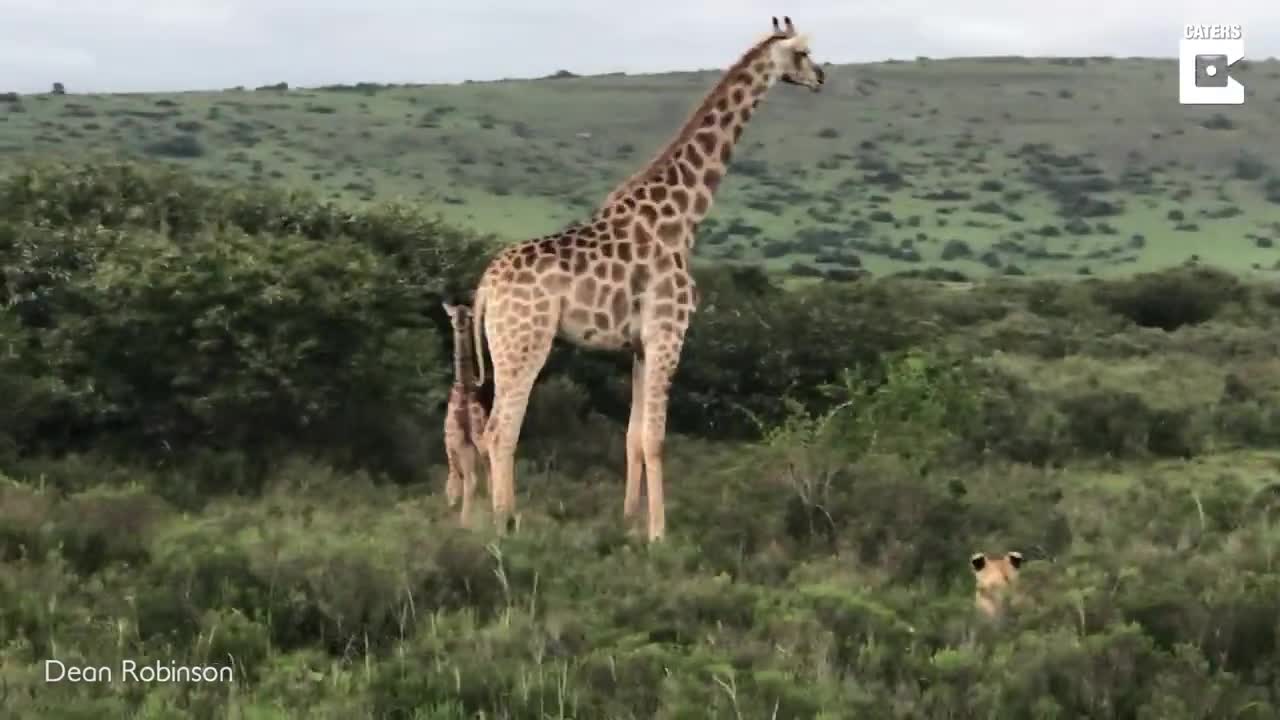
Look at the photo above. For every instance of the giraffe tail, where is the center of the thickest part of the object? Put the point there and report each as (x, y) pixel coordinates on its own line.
(477, 330)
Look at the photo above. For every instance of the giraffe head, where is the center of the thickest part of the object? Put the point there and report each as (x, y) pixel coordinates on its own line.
(459, 316)
(790, 55)
(995, 576)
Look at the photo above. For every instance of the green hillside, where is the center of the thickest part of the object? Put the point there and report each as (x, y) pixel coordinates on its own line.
(1007, 165)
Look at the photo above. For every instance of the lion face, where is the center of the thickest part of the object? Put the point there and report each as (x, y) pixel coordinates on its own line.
(994, 575)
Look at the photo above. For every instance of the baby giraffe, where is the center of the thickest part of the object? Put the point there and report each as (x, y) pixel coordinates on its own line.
(465, 418)
(995, 578)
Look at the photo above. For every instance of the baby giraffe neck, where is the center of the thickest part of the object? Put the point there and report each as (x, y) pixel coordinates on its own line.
(464, 373)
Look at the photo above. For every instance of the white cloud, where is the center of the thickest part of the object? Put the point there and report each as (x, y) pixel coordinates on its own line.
(32, 58)
(183, 44)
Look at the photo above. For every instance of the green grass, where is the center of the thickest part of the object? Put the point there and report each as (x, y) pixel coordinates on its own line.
(523, 158)
(221, 444)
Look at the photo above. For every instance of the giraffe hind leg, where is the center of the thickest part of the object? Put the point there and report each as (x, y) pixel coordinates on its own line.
(514, 374)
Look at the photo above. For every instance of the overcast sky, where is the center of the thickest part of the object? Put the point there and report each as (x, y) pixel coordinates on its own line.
(140, 45)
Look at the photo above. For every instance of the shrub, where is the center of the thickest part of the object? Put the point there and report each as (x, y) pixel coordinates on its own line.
(180, 146)
(1249, 167)
(1171, 299)
(1271, 189)
(1218, 121)
(228, 320)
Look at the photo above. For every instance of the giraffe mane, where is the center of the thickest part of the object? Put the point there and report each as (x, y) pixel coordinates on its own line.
(692, 123)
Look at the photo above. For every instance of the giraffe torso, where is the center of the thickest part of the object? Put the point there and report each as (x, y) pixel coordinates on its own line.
(599, 285)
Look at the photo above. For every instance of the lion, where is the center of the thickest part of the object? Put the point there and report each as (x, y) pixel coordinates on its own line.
(996, 577)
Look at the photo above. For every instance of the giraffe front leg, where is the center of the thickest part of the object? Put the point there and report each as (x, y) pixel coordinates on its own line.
(661, 359)
(635, 440)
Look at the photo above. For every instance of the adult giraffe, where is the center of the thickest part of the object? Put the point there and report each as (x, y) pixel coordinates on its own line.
(620, 281)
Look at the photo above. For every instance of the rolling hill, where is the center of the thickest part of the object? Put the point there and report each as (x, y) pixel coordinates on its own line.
(987, 165)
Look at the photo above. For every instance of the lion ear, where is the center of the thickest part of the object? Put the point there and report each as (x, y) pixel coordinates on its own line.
(1015, 559)
(978, 561)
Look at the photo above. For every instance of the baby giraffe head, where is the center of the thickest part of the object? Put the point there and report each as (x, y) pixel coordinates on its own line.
(459, 316)
(995, 576)
(790, 55)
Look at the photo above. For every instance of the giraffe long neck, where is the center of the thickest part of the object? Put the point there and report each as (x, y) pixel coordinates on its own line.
(686, 174)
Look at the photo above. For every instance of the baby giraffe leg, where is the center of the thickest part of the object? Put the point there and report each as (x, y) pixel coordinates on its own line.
(453, 483)
(467, 458)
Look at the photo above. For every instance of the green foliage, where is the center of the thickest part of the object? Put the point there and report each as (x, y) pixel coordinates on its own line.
(154, 312)
(1172, 299)
(178, 146)
(913, 410)
(331, 596)
(206, 390)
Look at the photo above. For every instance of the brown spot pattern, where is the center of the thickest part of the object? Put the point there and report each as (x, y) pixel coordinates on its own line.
(706, 140)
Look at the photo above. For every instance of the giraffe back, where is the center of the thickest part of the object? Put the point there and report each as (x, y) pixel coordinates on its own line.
(593, 284)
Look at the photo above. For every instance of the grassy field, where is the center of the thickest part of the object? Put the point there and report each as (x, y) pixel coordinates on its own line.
(220, 445)
(999, 165)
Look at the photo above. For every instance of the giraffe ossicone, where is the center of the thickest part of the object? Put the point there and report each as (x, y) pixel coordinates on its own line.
(620, 281)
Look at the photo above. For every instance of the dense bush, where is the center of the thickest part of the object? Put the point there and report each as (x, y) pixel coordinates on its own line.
(184, 146)
(204, 388)
(153, 312)
(1172, 299)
